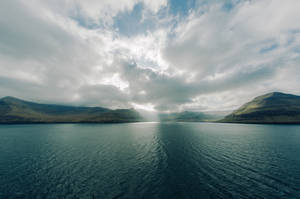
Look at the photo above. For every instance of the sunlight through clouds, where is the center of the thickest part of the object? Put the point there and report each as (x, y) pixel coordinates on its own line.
(153, 55)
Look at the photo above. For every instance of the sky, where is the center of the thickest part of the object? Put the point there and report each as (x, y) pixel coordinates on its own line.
(156, 55)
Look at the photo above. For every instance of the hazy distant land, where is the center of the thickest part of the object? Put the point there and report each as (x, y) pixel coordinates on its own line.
(189, 116)
(271, 108)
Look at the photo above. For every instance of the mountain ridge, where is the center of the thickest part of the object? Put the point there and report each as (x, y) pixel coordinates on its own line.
(14, 110)
(189, 116)
(270, 108)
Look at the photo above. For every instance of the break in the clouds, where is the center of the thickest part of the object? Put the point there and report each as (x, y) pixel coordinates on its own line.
(163, 55)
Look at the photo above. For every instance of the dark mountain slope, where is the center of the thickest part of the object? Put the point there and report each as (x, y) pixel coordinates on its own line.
(13, 110)
(270, 108)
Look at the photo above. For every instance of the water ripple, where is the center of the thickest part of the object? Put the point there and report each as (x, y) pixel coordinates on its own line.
(150, 160)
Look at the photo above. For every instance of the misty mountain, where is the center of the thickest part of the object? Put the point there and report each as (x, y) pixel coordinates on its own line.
(188, 116)
(13, 110)
(270, 108)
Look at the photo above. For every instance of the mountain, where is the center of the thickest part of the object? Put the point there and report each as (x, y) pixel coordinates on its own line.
(188, 116)
(271, 108)
(13, 110)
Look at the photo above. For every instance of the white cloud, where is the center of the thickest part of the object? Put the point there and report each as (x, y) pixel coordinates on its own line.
(251, 41)
(99, 12)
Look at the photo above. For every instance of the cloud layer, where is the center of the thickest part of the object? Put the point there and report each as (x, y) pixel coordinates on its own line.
(149, 54)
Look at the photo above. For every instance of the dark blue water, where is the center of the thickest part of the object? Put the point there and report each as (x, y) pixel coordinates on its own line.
(150, 160)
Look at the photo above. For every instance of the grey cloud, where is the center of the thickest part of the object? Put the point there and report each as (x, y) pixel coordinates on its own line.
(102, 95)
(27, 35)
(47, 57)
(217, 40)
(171, 92)
(31, 43)
(95, 95)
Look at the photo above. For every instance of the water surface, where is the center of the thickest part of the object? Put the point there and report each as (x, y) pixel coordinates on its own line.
(150, 160)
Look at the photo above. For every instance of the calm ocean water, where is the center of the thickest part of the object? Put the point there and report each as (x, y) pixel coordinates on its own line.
(149, 160)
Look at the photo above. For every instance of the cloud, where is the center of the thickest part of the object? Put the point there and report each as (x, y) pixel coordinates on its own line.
(254, 37)
(210, 42)
(99, 13)
(208, 55)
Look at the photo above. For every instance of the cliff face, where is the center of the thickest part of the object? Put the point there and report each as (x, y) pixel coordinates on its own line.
(13, 110)
(270, 108)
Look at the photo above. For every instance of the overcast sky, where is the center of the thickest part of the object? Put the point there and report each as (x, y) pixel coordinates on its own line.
(163, 55)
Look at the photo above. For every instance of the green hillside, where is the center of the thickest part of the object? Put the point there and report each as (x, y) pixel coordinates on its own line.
(270, 108)
(13, 110)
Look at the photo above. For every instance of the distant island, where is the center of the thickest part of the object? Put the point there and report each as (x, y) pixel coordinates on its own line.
(17, 111)
(271, 108)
